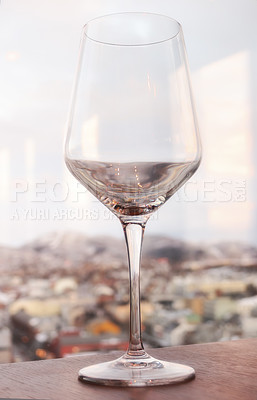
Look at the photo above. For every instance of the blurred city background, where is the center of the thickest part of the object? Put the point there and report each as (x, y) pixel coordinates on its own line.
(63, 268)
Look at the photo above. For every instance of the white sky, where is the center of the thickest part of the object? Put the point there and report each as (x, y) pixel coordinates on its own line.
(38, 55)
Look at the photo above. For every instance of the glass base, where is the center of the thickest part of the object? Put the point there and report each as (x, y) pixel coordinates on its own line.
(136, 371)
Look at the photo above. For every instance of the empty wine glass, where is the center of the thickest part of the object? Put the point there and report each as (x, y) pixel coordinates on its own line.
(133, 141)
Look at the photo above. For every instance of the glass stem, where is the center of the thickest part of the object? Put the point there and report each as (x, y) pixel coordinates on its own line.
(134, 236)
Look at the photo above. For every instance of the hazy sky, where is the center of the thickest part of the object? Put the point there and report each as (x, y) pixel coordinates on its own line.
(38, 54)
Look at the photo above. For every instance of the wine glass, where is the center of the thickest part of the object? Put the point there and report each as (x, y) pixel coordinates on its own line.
(133, 141)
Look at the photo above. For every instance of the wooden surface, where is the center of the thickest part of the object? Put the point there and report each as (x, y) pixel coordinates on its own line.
(224, 371)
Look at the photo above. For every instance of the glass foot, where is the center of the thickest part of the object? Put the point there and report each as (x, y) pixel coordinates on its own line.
(130, 370)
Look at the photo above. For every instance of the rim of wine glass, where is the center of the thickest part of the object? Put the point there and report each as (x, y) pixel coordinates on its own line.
(133, 45)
